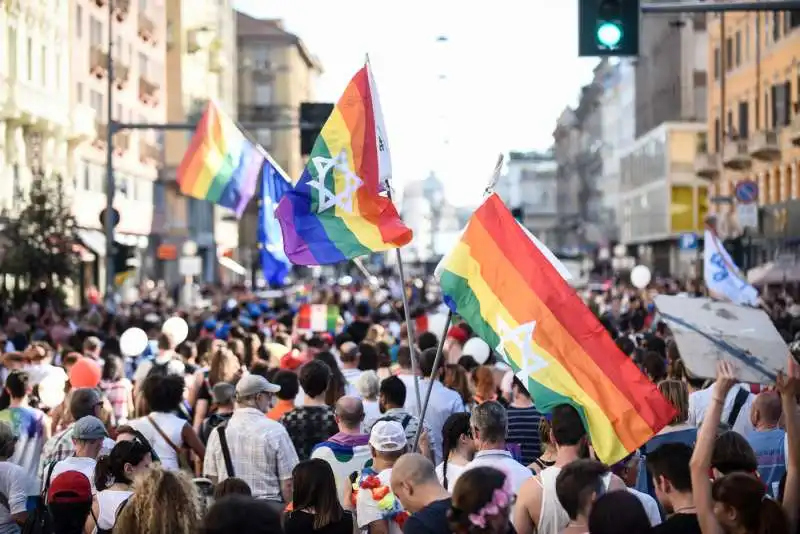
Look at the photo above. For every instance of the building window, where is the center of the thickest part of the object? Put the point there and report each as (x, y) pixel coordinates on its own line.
(43, 64)
(95, 32)
(58, 69)
(738, 51)
(30, 59)
(744, 119)
(142, 6)
(118, 113)
(263, 94)
(79, 92)
(716, 63)
(12, 51)
(730, 132)
(96, 101)
(79, 20)
(776, 26)
(143, 65)
(728, 54)
(747, 40)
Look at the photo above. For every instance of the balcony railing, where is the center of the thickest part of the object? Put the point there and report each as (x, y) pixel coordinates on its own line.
(148, 91)
(146, 28)
(737, 155)
(765, 146)
(98, 61)
(262, 113)
(149, 153)
(121, 9)
(706, 165)
(122, 73)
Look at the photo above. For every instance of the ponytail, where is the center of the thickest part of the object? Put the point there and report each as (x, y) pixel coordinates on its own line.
(103, 478)
(771, 518)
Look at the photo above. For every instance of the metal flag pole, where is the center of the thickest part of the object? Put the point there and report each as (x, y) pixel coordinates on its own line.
(437, 362)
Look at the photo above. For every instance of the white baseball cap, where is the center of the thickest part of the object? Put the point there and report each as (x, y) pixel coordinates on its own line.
(388, 436)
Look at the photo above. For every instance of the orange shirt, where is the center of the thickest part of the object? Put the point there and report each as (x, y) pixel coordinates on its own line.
(281, 408)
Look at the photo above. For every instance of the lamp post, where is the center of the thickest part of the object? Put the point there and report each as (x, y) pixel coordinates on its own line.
(108, 223)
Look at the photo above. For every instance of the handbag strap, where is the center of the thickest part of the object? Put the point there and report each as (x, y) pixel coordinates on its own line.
(163, 435)
(226, 452)
(738, 403)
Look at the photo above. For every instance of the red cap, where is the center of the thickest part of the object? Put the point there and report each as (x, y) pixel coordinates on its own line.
(458, 333)
(70, 487)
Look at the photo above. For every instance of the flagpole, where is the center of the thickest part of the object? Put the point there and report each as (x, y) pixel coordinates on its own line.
(437, 362)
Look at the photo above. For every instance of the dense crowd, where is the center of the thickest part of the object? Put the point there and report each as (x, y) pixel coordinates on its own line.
(254, 424)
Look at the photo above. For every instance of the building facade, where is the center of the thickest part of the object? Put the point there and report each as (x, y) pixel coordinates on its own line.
(137, 47)
(201, 63)
(532, 176)
(661, 196)
(671, 70)
(753, 127)
(35, 96)
(276, 73)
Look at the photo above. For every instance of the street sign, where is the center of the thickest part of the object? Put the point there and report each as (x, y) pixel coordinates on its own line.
(688, 241)
(190, 265)
(114, 217)
(746, 191)
(747, 214)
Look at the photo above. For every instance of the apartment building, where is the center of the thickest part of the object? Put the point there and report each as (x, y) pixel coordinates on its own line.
(133, 34)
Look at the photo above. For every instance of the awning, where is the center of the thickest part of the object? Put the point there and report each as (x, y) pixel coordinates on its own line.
(94, 240)
(232, 265)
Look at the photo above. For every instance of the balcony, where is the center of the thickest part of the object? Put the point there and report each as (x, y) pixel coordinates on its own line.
(121, 9)
(98, 62)
(122, 143)
(82, 124)
(793, 130)
(706, 165)
(148, 91)
(737, 155)
(765, 146)
(101, 135)
(262, 113)
(146, 28)
(149, 153)
(122, 73)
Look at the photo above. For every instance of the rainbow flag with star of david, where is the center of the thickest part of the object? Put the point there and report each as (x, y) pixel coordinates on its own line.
(336, 210)
(503, 284)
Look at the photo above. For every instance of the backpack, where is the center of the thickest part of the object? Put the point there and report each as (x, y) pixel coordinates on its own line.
(39, 520)
(158, 369)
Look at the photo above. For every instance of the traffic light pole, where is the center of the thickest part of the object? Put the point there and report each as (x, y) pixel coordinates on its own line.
(708, 7)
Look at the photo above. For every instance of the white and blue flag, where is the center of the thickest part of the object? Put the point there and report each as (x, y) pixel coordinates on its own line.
(722, 277)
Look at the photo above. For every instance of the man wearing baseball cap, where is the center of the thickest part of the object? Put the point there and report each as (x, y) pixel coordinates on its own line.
(69, 500)
(88, 434)
(388, 443)
(259, 450)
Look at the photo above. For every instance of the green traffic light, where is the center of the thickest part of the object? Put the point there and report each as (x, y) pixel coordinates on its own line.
(609, 34)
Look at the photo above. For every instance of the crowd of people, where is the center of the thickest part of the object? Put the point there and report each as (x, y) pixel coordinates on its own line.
(253, 424)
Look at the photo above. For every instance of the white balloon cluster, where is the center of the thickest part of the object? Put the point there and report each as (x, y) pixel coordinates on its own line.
(133, 342)
(640, 276)
(177, 329)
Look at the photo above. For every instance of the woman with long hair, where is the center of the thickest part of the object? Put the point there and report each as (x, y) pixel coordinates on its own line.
(337, 387)
(163, 502)
(481, 503)
(226, 367)
(457, 448)
(548, 457)
(485, 387)
(315, 502)
(456, 378)
(113, 477)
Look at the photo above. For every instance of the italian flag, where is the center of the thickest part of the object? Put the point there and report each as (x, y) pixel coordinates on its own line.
(317, 317)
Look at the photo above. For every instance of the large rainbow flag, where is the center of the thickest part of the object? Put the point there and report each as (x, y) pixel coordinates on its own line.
(499, 281)
(221, 165)
(336, 211)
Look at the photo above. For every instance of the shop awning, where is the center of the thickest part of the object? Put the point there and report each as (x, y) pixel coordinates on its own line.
(233, 266)
(94, 240)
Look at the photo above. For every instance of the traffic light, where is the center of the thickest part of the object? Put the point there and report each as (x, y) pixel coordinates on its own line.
(124, 258)
(313, 116)
(608, 27)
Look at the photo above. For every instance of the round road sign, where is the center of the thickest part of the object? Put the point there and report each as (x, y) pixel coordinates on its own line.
(746, 191)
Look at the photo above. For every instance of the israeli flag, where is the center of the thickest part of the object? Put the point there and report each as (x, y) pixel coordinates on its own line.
(274, 263)
(722, 277)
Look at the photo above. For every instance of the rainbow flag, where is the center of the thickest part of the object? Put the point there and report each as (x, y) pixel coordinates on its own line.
(221, 165)
(500, 281)
(336, 211)
(317, 318)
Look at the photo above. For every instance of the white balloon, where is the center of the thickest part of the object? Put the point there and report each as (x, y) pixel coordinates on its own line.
(477, 348)
(436, 324)
(133, 342)
(177, 329)
(640, 276)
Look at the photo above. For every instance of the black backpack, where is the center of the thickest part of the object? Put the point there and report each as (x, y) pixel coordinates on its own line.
(158, 369)
(39, 520)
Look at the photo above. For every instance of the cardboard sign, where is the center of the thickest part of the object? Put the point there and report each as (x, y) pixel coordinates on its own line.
(707, 331)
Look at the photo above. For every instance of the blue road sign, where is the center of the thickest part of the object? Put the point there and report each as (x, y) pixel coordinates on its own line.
(688, 241)
(746, 191)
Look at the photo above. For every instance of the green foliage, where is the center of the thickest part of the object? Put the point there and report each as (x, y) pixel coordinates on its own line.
(40, 241)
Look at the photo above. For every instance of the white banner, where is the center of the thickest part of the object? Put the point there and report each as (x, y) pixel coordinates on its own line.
(722, 277)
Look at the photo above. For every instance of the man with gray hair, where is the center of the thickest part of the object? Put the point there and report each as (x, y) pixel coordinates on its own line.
(252, 447)
(489, 424)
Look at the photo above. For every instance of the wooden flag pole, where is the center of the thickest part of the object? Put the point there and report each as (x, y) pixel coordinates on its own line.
(437, 362)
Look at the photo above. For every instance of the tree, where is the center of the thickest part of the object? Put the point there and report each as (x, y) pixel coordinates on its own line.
(40, 241)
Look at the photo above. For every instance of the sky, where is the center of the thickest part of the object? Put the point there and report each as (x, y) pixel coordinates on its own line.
(497, 82)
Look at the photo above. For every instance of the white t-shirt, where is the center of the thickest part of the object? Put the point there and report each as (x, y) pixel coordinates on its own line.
(498, 459)
(650, 506)
(453, 472)
(16, 485)
(352, 375)
(699, 401)
(172, 426)
(75, 463)
(372, 413)
(367, 509)
(108, 502)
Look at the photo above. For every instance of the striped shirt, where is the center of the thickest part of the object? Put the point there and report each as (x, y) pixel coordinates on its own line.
(523, 429)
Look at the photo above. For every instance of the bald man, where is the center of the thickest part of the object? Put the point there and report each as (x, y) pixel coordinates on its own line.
(349, 356)
(349, 413)
(415, 483)
(767, 439)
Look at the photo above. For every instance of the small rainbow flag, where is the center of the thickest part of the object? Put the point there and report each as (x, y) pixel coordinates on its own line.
(500, 281)
(221, 165)
(317, 318)
(336, 211)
